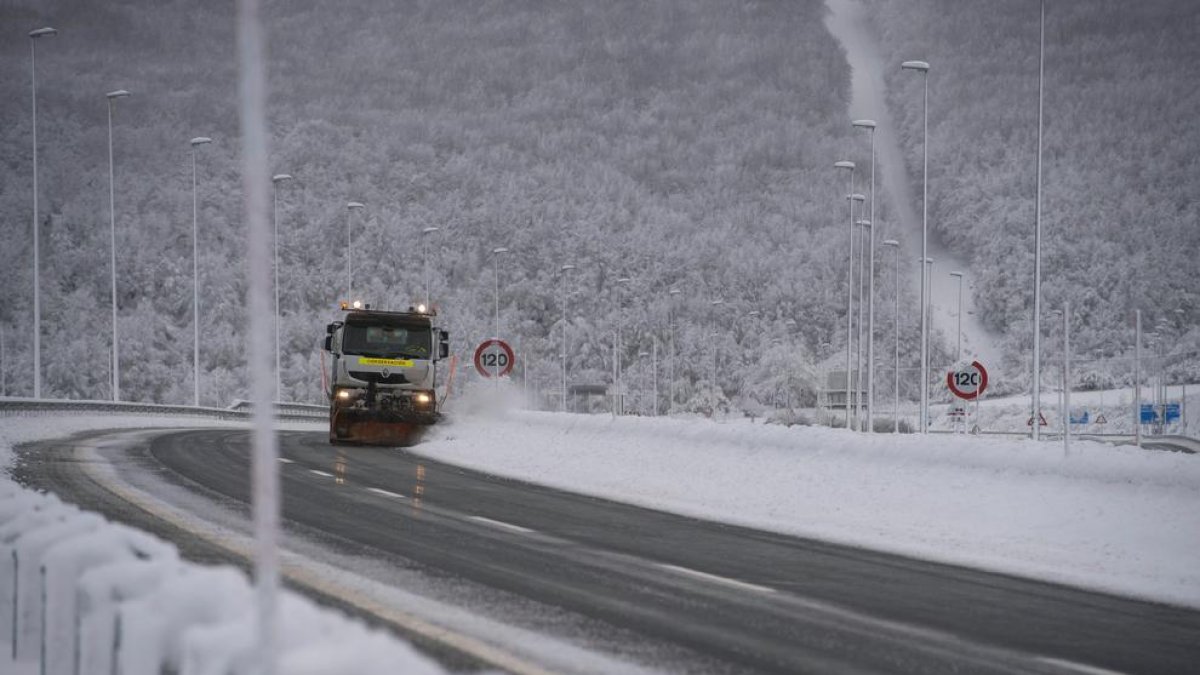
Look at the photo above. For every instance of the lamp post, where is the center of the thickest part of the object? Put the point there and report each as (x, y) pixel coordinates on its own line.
(895, 246)
(112, 228)
(37, 300)
(958, 349)
(351, 207)
(425, 256)
(275, 181)
(196, 143)
(1066, 378)
(923, 68)
(1037, 239)
(927, 269)
(852, 198)
(619, 347)
(870, 410)
(713, 336)
(848, 167)
(562, 285)
(790, 325)
(671, 330)
(1137, 379)
(862, 411)
(496, 287)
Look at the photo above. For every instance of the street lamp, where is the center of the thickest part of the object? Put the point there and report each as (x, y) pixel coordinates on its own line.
(870, 126)
(923, 68)
(895, 246)
(563, 289)
(112, 225)
(618, 347)
(958, 350)
(863, 412)
(37, 300)
(1037, 240)
(715, 303)
(671, 330)
(196, 143)
(425, 256)
(275, 181)
(852, 199)
(496, 288)
(351, 207)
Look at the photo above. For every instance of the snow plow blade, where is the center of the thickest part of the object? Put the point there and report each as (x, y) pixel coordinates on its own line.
(353, 427)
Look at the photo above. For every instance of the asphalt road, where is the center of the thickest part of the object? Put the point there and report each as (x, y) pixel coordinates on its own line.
(756, 601)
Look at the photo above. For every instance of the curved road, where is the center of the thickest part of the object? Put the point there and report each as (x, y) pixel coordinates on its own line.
(747, 600)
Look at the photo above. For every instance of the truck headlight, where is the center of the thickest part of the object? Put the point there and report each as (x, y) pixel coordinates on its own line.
(343, 394)
(423, 398)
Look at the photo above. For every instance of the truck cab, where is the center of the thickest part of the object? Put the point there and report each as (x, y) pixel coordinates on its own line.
(382, 373)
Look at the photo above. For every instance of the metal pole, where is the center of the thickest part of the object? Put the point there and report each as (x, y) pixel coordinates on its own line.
(4, 365)
(896, 337)
(958, 316)
(924, 255)
(654, 372)
(496, 293)
(275, 267)
(671, 327)
(859, 417)
(349, 275)
(265, 475)
(1037, 240)
(195, 292)
(112, 222)
(870, 416)
(37, 299)
(1066, 378)
(849, 290)
(1137, 379)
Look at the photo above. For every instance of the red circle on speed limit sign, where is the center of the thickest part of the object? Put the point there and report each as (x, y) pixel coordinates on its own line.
(968, 382)
(494, 358)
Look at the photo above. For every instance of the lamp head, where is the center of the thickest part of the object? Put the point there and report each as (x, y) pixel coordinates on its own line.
(856, 197)
(354, 205)
(429, 230)
(566, 268)
(863, 124)
(200, 140)
(892, 243)
(120, 93)
(500, 249)
(280, 177)
(864, 223)
(43, 32)
(844, 164)
(915, 65)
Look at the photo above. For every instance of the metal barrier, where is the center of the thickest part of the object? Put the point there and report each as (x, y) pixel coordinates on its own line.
(239, 411)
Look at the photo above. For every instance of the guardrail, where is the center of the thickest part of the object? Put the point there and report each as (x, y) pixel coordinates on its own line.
(238, 411)
(1173, 443)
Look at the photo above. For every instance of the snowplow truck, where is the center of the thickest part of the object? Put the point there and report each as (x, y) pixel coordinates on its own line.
(383, 376)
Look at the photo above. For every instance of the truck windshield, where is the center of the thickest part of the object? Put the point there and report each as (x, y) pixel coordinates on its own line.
(386, 341)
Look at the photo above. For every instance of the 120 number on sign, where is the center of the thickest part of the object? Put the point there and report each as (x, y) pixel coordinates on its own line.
(968, 382)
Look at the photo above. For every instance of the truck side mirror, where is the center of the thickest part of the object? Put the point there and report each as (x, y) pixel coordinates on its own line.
(329, 328)
(443, 344)
(328, 343)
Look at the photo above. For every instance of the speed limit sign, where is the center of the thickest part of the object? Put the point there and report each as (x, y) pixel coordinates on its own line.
(494, 358)
(968, 382)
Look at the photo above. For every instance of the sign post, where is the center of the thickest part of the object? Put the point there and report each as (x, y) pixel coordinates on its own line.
(968, 382)
(494, 358)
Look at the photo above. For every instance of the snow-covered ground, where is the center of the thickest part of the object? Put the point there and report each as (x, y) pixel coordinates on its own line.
(1116, 519)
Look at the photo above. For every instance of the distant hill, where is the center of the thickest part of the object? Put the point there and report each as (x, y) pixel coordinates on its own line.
(681, 143)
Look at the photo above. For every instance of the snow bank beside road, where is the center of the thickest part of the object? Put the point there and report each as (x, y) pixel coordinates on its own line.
(1110, 518)
(80, 594)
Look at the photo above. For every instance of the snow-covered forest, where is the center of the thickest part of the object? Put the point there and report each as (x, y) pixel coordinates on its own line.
(682, 144)
(1120, 206)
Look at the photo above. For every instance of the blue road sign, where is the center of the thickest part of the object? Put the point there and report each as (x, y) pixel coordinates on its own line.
(1171, 412)
(1148, 414)
(1082, 418)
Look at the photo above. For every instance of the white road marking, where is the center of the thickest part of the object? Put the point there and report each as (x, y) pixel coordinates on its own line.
(285, 460)
(385, 493)
(1078, 667)
(501, 524)
(321, 473)
(734, 583)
